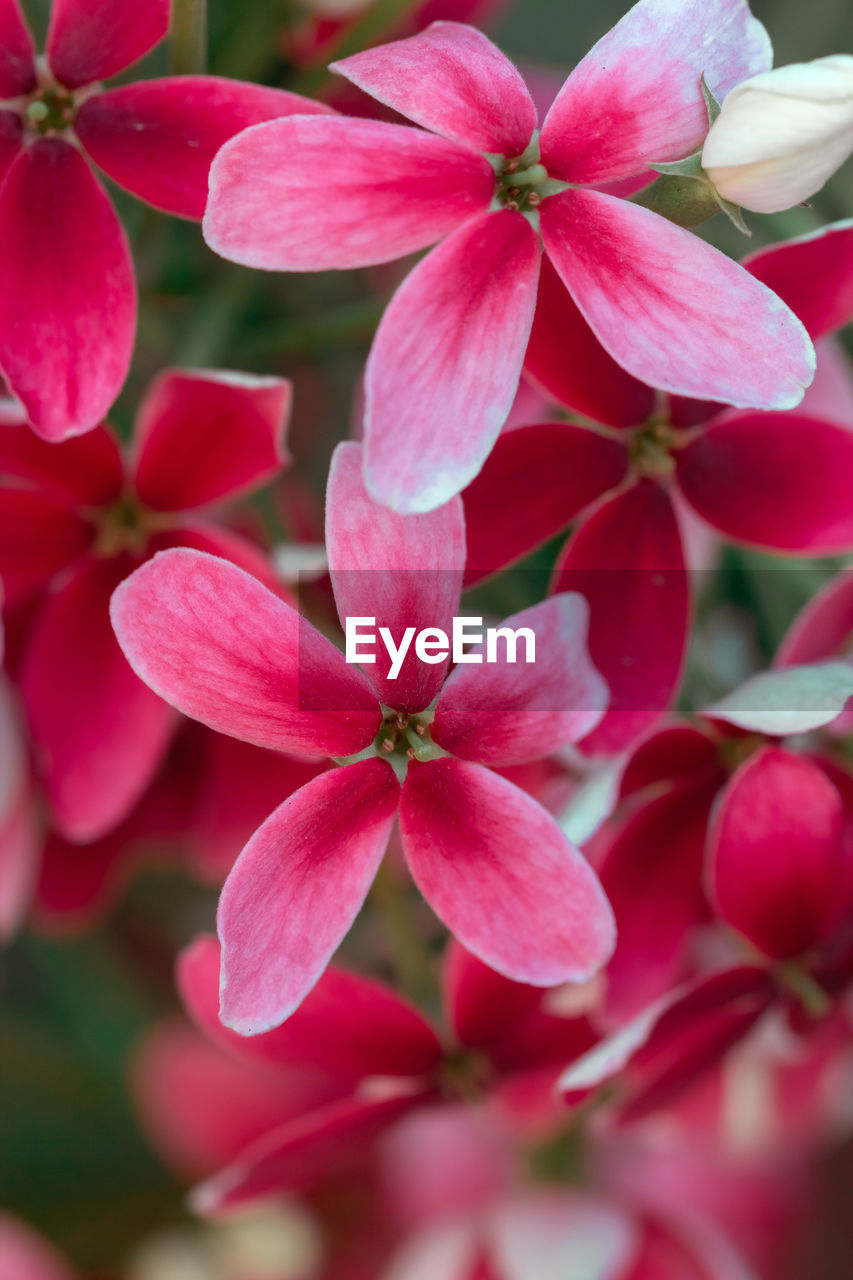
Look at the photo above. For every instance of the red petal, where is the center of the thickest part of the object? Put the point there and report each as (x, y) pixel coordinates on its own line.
(532, 485)
(497, 870)
(813, 274)
(17, 51)
(444, 367)
(824, 626)
(776, 851)
(296, 889)
(403, 571)
(87, 469)
(207, 435)
(158, 138)
(38, 537)
(100, 732)
(452, 79)
(774, 480)
(67, 294)
(628, 562)
(19, 831)
(93, 39)
(224, 650)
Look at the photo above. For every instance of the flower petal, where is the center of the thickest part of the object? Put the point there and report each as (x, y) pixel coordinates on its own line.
(204, 435)
(514, 504)
(627, 560)
(508, 711)
(314, 192)
(548, 1235)
(67, 297)
(402, 571)
(87, 469)
(813, 274)
(497, 870)
(25, 1255)
(566, 359)
(17, 51)
(99, 731)
(214, 642)
(296, 889)
(452, 79)
(348, 1026)
(745, 475)
(91, 40)
(672, 310)
(776, 853)
(790, 700)
(158, 138)
(444, 367)
(38, 537)
(636, 96)
(823, 627)
(19, 834)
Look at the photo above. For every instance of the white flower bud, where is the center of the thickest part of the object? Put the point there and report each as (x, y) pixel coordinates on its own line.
(780, 135)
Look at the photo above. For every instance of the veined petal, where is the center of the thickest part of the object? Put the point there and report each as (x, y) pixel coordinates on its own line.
(672, 310)
(452, 79)
(813, 274)
(627, 560)
(533, 483)
(403, 571)
(17, 51)
(218, 645)
(204, 435)
(777, 480)
(636, 96)
(93, 39)
(510, 710)
(67, 293)
(296, 888)
(99, 731)
(158, 138)
(310, 193)
(565, 358)
(777, 858)
(497, 870)
(444, 367)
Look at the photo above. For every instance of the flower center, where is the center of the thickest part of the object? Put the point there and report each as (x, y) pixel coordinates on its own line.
(122, 526)
(50, 110)
(522, 182)
(650, 446)
(405, 736)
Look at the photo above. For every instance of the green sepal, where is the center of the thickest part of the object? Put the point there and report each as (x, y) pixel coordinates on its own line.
(712, 105)
(689, 167)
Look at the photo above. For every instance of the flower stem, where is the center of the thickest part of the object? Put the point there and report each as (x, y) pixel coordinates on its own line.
(189, 36)
(411, 958)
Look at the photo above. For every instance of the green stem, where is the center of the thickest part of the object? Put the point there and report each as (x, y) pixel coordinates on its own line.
(189, 37)
(808, 991)
(411, 958)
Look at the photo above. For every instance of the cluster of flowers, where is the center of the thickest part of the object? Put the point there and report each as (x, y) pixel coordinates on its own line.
(648, 918)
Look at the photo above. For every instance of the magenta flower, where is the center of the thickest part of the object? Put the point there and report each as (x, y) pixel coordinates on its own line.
(780, 481)
(75, 518)
(493, 865)
(307, 195)
(67, 290)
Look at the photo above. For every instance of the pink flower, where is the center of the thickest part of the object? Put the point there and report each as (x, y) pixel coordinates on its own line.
(25, 1255)
(306, 195)
(780, 481)
(67, 290)
(75, 518)
(493, 865)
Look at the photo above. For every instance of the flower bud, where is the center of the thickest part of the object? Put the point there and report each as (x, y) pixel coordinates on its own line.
(781, 134)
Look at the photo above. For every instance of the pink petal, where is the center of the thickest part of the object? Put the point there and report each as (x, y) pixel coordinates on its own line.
(215, 643)
(452, 79)
(93, 39)
(497, 870)
(38, 537)
(403, 571)
(99, 732)
(813, 274)
(19, 828)
(445, 362)
(17, 51)
(483, 1007)
(11, 136)
(348, 1026)
(218, 540)
(78, 882)
(24, 1255)
(67, 302)
(831, 394)
(670, 309)
(823, 627)
(745, 476)
(776, 851)
(296, 889)
(502, 713)
(566, 359)
(361, 192)
(636, 97)
(158, 138)
(628, 562)
(206, 435)
(514, 504)
(87, 469)
(677, 752)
